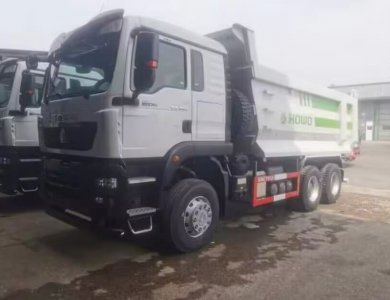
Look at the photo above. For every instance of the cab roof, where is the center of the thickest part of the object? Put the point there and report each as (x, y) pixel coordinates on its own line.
(169, 30)
(179, 33)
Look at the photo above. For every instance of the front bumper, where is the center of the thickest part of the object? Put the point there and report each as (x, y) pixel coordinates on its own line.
(69, 186)
(20, 168)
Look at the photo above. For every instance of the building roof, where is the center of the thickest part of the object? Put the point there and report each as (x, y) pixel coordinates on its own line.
(367, 91)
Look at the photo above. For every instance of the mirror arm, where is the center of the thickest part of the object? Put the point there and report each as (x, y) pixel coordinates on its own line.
(134, 97)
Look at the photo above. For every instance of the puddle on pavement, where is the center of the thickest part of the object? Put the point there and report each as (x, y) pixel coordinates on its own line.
(239, 250)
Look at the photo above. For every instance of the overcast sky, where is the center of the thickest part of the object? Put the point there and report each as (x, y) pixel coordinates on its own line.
(325, 41)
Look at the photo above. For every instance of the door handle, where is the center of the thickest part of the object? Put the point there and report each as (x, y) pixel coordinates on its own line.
(187, 126)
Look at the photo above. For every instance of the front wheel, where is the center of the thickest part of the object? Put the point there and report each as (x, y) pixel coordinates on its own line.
(190, 215)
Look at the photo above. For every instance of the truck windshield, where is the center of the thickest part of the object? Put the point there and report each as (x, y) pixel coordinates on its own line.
(7, 74)
(85, 68)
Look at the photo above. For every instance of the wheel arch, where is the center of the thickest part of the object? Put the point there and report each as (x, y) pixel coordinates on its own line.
(202, 160)
(321, 161)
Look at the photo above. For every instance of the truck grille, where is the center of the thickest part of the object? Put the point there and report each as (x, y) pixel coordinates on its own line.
(65, 178)
(67, 184)
(74, 136)
(60, 184)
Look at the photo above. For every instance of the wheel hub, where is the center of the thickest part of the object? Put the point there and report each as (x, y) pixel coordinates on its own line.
(313, 188)
(335, 183)
(197, 216)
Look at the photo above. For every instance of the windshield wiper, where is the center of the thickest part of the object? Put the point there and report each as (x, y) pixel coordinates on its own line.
(72, 53)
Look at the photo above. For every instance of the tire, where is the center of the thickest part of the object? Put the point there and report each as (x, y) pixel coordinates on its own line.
(179, 216)
(308, 200)
(331, 183)
(243, 114)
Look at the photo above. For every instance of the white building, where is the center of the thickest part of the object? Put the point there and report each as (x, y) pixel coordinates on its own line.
(374, 109)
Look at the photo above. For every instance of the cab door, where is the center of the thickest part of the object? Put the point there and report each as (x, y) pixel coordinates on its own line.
(208, 95)
(26, 130)
(163, 116)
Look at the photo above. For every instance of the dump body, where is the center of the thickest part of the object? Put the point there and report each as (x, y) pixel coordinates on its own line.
(294, 118)
(300, 119)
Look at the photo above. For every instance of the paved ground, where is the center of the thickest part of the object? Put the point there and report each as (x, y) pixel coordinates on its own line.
(371, 170)
(339, 252)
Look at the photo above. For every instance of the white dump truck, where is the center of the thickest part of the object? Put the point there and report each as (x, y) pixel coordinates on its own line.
(21, 88)
(145, 124)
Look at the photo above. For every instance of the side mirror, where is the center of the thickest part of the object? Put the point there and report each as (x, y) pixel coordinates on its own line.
(146, 61)
(26, 90)
(32, 62)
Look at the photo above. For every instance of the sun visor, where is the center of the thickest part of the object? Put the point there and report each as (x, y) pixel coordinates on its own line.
(65, 41)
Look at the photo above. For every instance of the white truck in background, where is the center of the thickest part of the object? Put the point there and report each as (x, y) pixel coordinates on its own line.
(144, 123)
(21, 87)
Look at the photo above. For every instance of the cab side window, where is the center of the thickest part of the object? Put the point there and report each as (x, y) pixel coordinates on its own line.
(197, 74)
(7, 75)
(171, 70)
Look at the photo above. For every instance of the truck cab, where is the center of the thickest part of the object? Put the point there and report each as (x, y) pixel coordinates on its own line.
(21, 88)
(128, 99)
(144, 123)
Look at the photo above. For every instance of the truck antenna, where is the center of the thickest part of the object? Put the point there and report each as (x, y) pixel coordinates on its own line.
(102, 5)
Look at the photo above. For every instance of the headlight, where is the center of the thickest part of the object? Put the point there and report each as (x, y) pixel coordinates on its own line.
(4, 161)
(109, 183)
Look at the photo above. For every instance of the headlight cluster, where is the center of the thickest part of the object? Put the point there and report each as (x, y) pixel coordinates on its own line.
(108, 183)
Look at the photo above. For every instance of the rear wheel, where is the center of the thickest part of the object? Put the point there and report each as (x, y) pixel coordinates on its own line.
(191, 215)
(310, 190)
(331, 183)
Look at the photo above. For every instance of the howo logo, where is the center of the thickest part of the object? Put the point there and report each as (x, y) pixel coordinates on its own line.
(56, 119)
(296, 119)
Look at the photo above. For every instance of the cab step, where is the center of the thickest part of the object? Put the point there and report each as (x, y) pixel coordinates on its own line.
(140, 211)
(140, 219)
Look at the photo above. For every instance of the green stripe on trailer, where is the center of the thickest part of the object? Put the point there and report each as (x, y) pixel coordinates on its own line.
(326, 123)
(325, 104)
